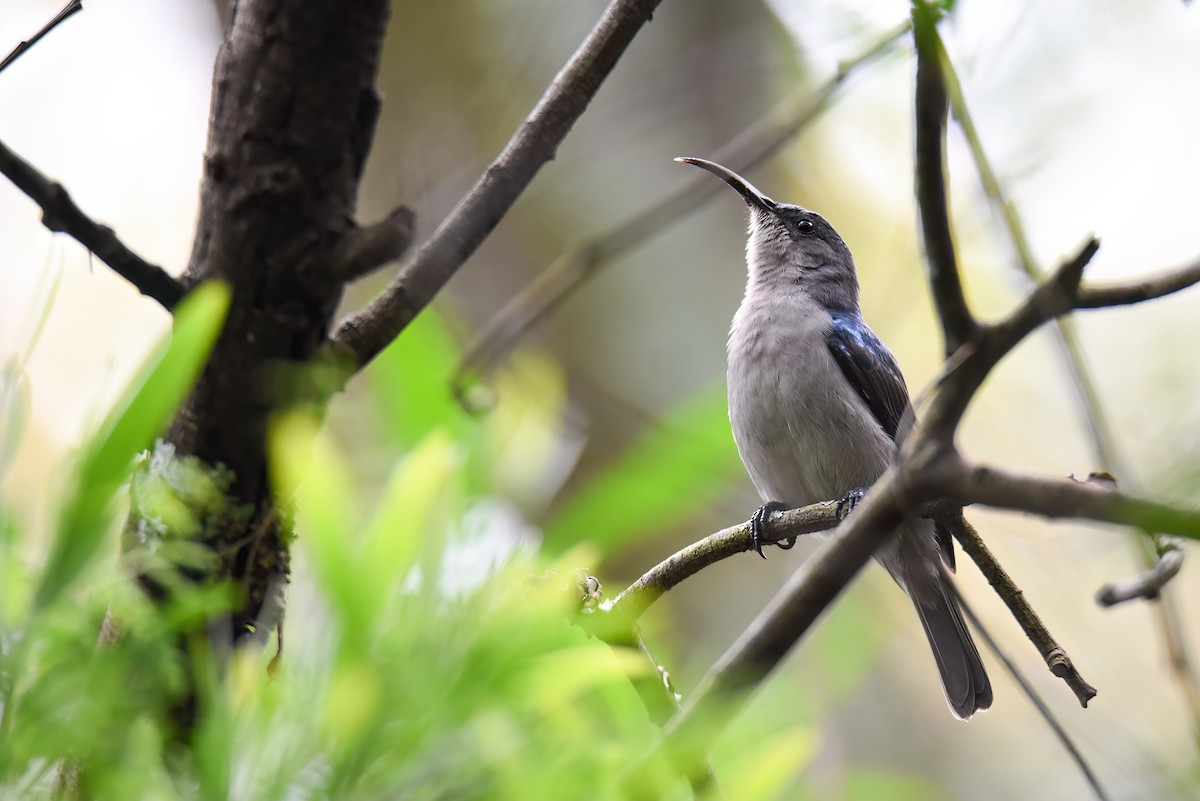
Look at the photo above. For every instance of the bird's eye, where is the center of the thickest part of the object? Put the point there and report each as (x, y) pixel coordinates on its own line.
(806, 227)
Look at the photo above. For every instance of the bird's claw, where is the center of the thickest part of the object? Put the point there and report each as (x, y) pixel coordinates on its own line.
(758, 527)
(849, 501)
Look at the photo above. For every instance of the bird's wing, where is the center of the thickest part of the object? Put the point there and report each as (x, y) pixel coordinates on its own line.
(870, 368)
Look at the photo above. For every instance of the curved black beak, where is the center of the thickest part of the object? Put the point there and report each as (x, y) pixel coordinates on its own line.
(743, 187)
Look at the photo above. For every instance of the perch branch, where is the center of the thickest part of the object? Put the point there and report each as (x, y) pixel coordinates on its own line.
(927, 475)
(61, 215)
(626, 608)
(783, 622)
(361, 336)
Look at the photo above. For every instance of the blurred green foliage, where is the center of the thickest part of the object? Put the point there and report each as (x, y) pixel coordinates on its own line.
(407, 682)
(130, 429)
(432, 652)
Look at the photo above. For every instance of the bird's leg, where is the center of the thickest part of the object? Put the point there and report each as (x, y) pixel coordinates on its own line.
(851, 499)
(758, 526)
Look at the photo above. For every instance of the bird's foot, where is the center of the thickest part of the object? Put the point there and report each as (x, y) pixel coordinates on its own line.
(849, 501)
(758, 527)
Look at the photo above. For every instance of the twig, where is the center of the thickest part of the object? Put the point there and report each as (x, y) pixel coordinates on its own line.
(23, 47)
(1035, 699)
(656, 691)
(963, 483)
(1157, 286)
(958, 325)
(361, 336)
(1148, 584)
(704, 783)
(573, 268)
(1056, 657)
(61, 215)
(365, 250)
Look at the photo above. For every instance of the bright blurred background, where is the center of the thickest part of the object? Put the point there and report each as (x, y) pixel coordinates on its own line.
(607, 425)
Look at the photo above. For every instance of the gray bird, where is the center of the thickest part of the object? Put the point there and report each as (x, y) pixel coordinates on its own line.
(818, 405)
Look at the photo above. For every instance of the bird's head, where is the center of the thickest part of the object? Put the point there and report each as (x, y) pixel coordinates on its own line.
(791, 249)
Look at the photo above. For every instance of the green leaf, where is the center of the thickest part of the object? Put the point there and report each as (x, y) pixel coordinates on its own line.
(307, 467)
(846, 646)
(658, 481)
(764, 772)
(413, 513)
(213, 739)
(410, 380)
(871, 785)
(130, 428)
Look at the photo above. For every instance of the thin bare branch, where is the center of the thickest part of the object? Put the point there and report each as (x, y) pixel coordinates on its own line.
(958, 325)
(1056, 657)
(572, 269)
(655, 688)
(59, 18)
(964, 483)
(61, 215)
(1148, 584)
(1167, 283)
(362, 335)
(704, 781)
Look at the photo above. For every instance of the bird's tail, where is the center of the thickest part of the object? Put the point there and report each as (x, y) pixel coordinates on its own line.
(963, 677)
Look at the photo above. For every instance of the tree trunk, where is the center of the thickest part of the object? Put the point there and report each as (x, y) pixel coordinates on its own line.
(293, 112)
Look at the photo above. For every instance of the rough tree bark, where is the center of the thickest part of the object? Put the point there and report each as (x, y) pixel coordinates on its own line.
(293, 112)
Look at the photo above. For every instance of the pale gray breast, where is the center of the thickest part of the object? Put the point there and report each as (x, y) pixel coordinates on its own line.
(803, 433)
